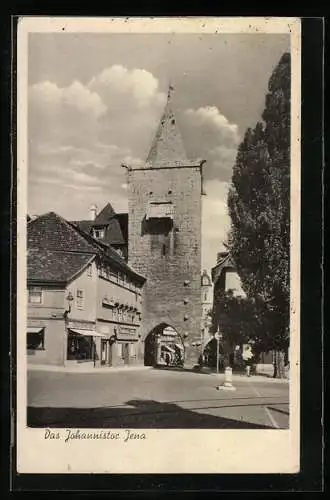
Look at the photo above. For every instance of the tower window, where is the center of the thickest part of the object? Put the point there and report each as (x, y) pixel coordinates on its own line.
(163, 249)
(170, 191)
(173, 121)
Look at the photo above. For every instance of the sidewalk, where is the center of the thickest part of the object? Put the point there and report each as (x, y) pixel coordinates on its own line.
(244, 378)
(86, 369)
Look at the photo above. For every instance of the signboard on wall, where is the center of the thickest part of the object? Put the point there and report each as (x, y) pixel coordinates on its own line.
(127, 333)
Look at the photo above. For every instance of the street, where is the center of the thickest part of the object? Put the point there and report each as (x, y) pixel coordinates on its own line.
(155, 398)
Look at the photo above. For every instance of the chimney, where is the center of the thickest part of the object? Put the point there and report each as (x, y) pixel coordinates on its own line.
(93, 212)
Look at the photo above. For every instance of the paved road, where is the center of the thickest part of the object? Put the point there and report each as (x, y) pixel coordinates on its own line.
(154, 399)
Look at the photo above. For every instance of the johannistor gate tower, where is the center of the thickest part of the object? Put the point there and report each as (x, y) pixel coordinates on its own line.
(164, 244)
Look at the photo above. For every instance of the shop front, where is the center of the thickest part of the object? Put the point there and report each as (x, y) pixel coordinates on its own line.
(126, 350)
(84, 346)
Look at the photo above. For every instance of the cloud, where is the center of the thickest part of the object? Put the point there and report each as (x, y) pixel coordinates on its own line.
(215, 221)
(137, 87)
(80, 135)
(47, 96)
(93, 127)
(210, 135)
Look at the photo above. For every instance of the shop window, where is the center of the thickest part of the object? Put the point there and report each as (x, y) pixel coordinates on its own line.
(36, 340)
(80, 299)
(80, 348)
(35, 295)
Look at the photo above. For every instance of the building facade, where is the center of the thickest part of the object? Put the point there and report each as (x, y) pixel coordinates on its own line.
(207, 305)
(84, 302)
(165, 236)
(225, 278)
(107, 227)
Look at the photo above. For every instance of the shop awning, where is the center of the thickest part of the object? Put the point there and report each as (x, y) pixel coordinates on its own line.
(179, 346)
(87, 333)
(32, 329)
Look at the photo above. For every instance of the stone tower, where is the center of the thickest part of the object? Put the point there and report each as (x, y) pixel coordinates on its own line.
(165, 234)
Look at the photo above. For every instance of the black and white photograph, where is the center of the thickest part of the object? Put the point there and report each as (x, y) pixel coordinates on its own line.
(158, 209)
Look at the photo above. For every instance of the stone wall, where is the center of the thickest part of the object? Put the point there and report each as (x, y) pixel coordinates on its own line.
(170, 262)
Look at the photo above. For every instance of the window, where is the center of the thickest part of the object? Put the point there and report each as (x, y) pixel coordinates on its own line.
(108, 272)
(80, 348)
(113, 275)
(133, 350)
(103, 271)
(98, 233)
(35, 295)
(80, 299)
(89, 271)
(36, 339)
(205, 297)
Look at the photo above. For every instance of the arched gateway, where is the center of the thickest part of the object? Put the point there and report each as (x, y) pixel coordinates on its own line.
(163, 346)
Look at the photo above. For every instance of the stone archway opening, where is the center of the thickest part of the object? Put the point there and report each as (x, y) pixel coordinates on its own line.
(163, 346)
(210, 354)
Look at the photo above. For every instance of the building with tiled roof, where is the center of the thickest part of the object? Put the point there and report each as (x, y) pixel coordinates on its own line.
(108, 227)
(225, 278)
(224, 275)
(84, 301)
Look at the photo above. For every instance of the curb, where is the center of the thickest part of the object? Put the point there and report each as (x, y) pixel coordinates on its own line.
(245, 378)
(77, 371)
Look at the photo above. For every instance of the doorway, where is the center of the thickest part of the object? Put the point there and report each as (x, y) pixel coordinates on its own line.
(104, 352)
(126, 353)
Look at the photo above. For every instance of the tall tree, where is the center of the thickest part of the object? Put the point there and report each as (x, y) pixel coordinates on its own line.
(259, 207)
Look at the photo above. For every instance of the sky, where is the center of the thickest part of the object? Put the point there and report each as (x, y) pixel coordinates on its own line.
(95, 100)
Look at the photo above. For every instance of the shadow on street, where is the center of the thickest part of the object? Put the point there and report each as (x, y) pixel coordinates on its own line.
(147, 414)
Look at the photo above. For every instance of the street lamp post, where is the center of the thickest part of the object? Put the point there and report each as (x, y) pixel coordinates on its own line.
(217, 339)
(69, 298)
(218, 336)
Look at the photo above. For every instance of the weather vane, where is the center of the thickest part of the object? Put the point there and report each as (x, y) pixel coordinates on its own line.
(170, 90)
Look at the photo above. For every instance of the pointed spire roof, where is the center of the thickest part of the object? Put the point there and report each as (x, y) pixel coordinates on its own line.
(167, 148)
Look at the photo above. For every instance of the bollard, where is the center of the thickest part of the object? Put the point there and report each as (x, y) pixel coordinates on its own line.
(248, 368)
(227, 385)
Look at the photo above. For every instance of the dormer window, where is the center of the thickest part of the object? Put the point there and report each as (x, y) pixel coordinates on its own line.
(98, 233)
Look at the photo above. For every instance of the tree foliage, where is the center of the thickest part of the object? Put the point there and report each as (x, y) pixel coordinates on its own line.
(259, 208)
